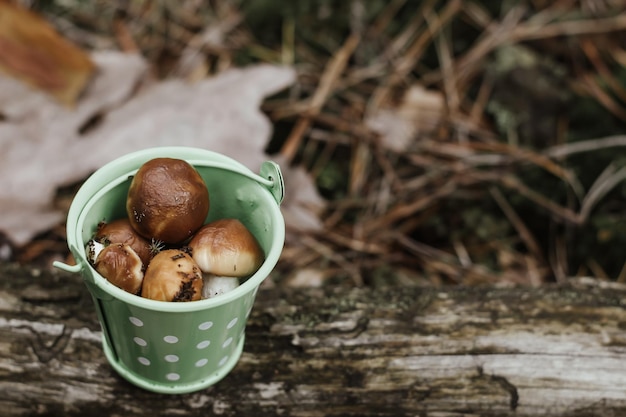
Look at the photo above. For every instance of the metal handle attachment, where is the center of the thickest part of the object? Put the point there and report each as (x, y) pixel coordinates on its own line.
(271, 171)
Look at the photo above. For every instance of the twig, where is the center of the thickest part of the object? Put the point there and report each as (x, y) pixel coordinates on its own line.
(569, 28)
(518, 224)
(385, 17)
(413, 54)
(333, 256)
(124, 36)
(567, 149)
(590, 48)
(403, 210)
(605, 182)
(592, 88)
(461, 252)
(622, 274)
(558, 259)
(359, 164)
(517, 153)
(562, 212)
(332, 72)
(444, 52)
(288, 45)
(484, 93)
(597, 270)
(494, 35)
(371, 248)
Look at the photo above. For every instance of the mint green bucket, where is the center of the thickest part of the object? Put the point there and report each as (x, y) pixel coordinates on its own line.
(171, 347)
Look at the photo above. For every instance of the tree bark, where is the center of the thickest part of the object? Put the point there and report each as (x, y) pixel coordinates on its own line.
(551, 351)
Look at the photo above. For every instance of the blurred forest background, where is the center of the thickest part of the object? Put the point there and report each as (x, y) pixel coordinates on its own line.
(450, 142)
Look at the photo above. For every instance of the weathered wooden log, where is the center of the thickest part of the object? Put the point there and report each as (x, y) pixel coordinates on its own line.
(550, 351)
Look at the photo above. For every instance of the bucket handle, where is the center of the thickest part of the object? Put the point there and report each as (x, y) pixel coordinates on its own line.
(269, 176)
(76, 268)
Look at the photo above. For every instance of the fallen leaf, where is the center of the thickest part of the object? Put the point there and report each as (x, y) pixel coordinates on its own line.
(419, 113)
(221, 114)
(307, 278)
(37, 133)
(32, 51)
(45, 148)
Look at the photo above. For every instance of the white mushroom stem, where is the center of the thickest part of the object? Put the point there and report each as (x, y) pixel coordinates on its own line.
(217, 285)
(93, 250)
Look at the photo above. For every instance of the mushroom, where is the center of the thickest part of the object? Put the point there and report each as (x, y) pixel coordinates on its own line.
(226, 248)
(167, 200)
(172, 275)
(119, 264)
(121, 231)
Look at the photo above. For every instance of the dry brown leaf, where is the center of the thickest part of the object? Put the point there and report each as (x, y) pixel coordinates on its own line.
(38, 132)
(45, 148)
(419, 113)
(307, 278)
(32, 51)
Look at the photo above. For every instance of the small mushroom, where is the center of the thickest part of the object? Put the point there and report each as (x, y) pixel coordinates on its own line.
(226, 248)
(167, 200)
(121, 231)
(172, 275)
(119, 264)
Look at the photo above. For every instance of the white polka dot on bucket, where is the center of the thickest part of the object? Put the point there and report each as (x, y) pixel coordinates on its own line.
(134, 320)
(206, 325)
(170, 339)
(203, 344)
(232, 323)
(173, 376)
(140, 341)
(201, 362)
(227, 342)
(143, 361)
(223, 361)
(171, 358)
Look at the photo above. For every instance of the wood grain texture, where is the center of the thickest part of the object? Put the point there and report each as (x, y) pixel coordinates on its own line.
(550, 351)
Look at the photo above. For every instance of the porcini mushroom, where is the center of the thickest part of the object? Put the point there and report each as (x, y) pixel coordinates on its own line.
(226, 247)
(167, 200)
(172, 275)
(120, 265)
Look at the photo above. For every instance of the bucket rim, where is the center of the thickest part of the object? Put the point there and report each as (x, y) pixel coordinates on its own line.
(101, 182)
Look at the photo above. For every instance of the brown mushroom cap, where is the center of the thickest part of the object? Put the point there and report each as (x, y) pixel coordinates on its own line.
(167, 200)
(121, 266)
(121, 231)
(172, 276)
(226, 247)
